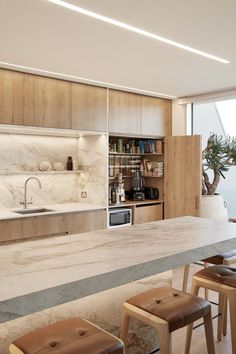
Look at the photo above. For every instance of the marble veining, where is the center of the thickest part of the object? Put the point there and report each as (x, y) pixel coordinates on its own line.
(43, 273)
(21, 156)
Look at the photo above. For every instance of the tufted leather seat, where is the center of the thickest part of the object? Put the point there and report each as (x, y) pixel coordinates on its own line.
(176, 307)
(166, 310)
(220, 258)
(220, 274)
(71, 336)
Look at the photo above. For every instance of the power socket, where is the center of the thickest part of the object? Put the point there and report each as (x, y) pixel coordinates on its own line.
(83, 194)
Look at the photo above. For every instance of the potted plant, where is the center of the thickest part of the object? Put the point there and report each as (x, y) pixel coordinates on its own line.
(217, 158)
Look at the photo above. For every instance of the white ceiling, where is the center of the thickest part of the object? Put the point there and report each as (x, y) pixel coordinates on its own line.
(39, 34)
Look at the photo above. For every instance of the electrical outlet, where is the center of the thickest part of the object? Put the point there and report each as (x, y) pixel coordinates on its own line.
(83, 194)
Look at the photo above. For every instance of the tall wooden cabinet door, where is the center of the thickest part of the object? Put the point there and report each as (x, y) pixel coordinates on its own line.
(89, 107)
(156, 116)
(50, 101)
(182, 176)
(124, 112)
(14, 91)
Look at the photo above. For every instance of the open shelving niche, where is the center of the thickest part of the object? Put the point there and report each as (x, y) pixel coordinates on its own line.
(121, 161)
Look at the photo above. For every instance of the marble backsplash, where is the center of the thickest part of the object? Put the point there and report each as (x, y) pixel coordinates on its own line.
(21, 156)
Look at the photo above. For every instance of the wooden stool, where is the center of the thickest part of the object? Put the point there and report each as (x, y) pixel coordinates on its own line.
(167, 310)
(221, 279)
(225, 258)
(71, 336)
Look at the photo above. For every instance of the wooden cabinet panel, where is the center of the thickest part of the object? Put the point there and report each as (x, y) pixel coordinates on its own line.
(50, 102)
(124, 112)
(148, 213)
(89, 107)
(14, 96)
(87, 221)
(49, 225)
(182, 175)
(156, 116)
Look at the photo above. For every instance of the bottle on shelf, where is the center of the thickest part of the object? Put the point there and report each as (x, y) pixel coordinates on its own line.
(69, 164)
(113, 194)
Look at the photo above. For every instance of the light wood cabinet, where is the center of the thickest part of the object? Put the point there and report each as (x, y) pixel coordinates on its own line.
(89, 107)
(182, 176)
(86, 221)
(156, 116)
(32, 100)
(124, 112)
(50, 102)
(14, 97)
(147, 213)
(52, 225)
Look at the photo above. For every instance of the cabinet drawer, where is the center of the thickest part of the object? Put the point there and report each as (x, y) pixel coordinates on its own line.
(148, 213)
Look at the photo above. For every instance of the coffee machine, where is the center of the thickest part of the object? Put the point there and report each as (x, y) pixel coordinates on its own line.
(136, 192)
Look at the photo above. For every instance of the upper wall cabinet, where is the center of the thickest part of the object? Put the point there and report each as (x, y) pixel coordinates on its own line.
(14, 96)
(50, 102)
(34, 100)
(89, 107)
(156, 116)
(124, 112)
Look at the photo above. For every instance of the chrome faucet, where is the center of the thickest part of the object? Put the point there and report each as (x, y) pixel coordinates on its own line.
(25, 202)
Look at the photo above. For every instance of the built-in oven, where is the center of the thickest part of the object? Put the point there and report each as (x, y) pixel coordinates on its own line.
(119, 217)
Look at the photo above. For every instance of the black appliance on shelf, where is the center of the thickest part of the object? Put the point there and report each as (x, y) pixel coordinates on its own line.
(136, 192)
(151, 193)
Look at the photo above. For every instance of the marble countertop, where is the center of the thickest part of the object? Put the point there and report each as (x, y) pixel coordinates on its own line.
(60, 208)
(39, 274)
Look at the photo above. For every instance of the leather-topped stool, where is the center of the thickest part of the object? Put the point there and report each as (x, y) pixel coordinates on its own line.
(166, 310)
(225, 258)
(221, 279)
(70, 336)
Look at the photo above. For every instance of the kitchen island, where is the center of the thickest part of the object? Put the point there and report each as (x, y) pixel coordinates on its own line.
(40, 274)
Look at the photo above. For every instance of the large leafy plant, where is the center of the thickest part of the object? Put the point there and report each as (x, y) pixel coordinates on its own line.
(218, 156)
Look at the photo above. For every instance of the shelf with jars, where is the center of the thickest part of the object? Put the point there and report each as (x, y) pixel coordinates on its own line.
(132, 157)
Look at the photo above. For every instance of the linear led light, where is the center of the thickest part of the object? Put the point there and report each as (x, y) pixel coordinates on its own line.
(136, 30)
(82, 79)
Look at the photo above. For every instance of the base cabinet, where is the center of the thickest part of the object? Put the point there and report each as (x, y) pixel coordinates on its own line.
(148, 213)
(52, 225)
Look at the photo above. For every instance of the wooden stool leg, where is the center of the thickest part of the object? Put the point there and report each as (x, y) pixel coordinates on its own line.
(221, 314)
(164, 339)
(232, 308)
(209, 333)
(225, 317)
(206, 265)
(185, 277)
(125, 321)
(195, 290)
(188, 339)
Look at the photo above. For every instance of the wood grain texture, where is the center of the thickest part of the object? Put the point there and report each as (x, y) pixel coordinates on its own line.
(124, 112)
(89, 107)
(156, 116)
(14, 95)
(86, 221)
(41, 226)
(148, 213)
(50, 102)
(182, 176)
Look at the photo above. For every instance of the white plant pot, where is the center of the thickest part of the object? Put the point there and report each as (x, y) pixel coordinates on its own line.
(214, 207)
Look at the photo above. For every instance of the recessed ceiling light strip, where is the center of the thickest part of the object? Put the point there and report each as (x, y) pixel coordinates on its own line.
(136, 30)
(82, 79)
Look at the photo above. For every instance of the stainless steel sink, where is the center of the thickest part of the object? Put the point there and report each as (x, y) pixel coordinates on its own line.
(32, 211)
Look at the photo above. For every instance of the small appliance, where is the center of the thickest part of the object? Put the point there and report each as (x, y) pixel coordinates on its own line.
(119, 217)
(136, 192)
(151, 193)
